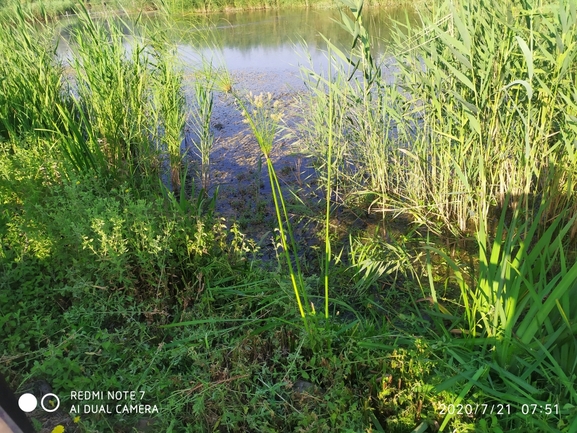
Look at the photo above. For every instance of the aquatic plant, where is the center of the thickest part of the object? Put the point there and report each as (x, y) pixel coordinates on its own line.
(204, 136)
(472, 115)
(31, 85)
(128, 281)
(468, 129)
(113, 100)
(170, 107)
(263, 119)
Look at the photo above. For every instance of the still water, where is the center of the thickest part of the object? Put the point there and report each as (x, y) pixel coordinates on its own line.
(277, 40)
(263, 51)
(265, 40)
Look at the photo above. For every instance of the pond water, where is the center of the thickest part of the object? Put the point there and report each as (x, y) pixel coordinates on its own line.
(279, 40)
(267, 40)
(263, 51)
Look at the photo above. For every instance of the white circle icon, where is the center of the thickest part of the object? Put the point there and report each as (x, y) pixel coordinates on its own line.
(57, 404)
(27, 402)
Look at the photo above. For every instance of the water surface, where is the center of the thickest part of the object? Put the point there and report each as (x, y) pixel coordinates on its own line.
(278, 40)
(263, 51)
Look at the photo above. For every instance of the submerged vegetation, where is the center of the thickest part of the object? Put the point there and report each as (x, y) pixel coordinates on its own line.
(117, 273)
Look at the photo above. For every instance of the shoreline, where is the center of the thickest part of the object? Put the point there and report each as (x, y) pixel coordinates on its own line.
(42, 11)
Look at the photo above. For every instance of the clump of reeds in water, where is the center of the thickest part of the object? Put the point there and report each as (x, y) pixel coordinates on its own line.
(204, 136)
(31, 86)
(118, 109)
(170, 105)
(481, 106)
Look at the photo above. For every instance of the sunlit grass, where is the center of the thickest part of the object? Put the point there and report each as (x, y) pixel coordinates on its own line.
(203, 93)
(474, 126)
(474, 116)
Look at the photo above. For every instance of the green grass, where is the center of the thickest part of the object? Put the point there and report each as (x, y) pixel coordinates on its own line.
(32, 80)
(469, 132)
(203, 92)
(116, 273)
(105, 274)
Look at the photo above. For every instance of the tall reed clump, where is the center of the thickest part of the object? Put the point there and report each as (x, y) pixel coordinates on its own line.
(368, 159)
(119, 109)
(493, 89)
(169, 108)
(31, 78)
(477, 105)
(204, 137)
(128, 109)
(113, 86)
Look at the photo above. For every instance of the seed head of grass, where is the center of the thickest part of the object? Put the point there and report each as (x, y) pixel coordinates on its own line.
(263, 116)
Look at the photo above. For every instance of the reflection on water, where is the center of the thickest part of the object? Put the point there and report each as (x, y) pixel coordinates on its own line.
(278, 39)
(274, 40)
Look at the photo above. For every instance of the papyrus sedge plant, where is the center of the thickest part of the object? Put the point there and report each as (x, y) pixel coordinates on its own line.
(263, 120)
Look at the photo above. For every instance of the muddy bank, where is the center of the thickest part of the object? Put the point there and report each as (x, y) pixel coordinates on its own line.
(237, 168)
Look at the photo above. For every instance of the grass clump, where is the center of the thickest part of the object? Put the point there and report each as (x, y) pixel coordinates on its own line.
(127, 291)
(204, 136)
(129, 105)
(32, 85)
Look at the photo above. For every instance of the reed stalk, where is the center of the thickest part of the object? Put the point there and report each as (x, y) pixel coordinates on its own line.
(205, 138)
(169, 102)
(329, 158)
